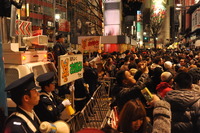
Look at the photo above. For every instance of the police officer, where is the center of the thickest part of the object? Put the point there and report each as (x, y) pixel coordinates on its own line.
(24, 94)
(58, 48)
(50, 106)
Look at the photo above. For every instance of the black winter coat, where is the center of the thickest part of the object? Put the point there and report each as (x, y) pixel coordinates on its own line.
(185, 107)
(124, 94)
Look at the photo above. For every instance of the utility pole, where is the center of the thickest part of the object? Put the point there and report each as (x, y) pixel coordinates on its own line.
(3, 96)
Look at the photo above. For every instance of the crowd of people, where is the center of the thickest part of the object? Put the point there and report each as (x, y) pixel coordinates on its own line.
(171, 76)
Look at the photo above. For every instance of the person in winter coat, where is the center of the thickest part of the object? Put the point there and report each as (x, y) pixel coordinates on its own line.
(165, 85)
(185, 105)
(127, 88)
(90, 75)
(195, 73)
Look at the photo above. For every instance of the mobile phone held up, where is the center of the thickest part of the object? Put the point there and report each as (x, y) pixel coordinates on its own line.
(147, 94)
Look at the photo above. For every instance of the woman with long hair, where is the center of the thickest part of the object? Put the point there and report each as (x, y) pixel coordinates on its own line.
(132, 118)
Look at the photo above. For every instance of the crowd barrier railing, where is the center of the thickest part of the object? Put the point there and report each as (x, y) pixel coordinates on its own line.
(96, 112)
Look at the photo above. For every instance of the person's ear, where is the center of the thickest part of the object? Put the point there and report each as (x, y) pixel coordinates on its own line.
(26, 98)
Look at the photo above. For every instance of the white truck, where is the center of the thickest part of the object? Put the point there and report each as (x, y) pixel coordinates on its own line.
(21, 58)
(20, 63)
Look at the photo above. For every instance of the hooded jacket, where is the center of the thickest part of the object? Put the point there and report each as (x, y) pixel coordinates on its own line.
(163, 88)
(185, 107)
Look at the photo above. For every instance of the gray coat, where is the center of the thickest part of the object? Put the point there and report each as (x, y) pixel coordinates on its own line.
(185, 107)
(162, 117)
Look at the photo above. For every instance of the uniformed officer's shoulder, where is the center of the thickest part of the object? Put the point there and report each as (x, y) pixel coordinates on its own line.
(14, 120)
(45, 99)
(14, 124)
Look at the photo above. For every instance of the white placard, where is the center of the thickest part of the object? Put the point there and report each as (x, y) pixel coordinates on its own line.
(70, 68)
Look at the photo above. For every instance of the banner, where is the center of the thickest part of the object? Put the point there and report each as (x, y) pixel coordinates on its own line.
(90, 44)
(64, 25)
(70, 68)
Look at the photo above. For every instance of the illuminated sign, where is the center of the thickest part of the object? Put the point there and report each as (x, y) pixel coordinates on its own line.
(112, 17)
(70, 68)
(196, 19)
(159, 6)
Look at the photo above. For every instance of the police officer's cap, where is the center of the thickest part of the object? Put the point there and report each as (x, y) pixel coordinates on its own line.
(59, 36)
(23, 84)
(46, 78)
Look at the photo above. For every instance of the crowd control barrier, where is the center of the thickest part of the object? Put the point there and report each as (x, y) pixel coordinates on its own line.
(96, 112)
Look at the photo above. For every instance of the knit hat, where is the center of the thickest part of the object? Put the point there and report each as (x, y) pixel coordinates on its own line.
(166, 76)
(168, 64)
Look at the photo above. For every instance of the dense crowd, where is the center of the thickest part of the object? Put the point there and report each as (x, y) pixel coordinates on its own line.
(172, 76)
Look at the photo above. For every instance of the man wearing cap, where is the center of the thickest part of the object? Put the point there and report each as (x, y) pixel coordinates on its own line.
(23, 93)
(58, 48)
(49, 107)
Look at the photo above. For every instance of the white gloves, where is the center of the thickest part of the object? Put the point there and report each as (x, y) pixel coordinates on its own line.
(66, 102)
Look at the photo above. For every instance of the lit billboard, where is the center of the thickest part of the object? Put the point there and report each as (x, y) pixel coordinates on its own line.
(112, 17)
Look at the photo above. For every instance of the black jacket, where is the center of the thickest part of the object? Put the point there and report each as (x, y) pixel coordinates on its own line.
(15, 124)
(49, 109)
(124, 94)
(58, 49)
(185, 107)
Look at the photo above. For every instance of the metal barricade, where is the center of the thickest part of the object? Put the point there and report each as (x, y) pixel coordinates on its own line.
(95, 114)
(108, 83)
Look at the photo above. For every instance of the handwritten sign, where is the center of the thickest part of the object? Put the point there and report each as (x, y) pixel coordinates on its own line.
(90, 43)
(70, 68)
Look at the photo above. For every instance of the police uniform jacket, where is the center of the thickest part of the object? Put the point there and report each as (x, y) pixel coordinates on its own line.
(49, 108)
(58, 50)
(16, 124)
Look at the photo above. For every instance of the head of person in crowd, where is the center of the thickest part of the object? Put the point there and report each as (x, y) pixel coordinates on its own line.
(60, 38)
(47, 81)
(110, 60)
(192, 66)
(167, 77)
(165, 85)
(183, 80)
(132, 118)
(127, 59)
(168, 65)
(158, 60)
(85, 62)
(23, 92)
(182, 69)
(124, 78)
(149, 60)
(183, 61)
(137, 74)
(195, 73)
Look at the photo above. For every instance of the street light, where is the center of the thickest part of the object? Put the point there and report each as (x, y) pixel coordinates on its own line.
(57, 17)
